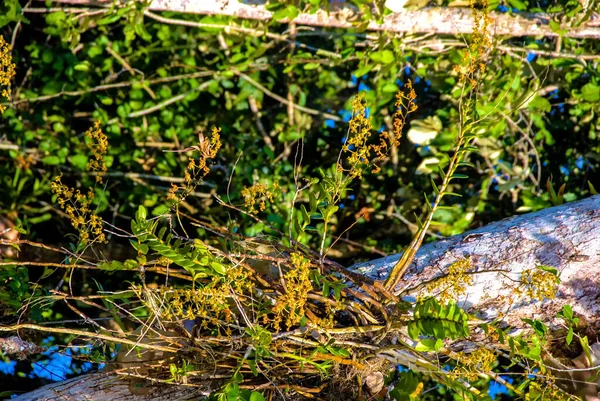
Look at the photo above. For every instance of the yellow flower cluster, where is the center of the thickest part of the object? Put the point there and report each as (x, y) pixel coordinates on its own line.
(546, 389)
(405, 104)
(362, 154)
(297, 286)
(359, 133)
(77, 206)
(197, 169)
(258, 195)
(536, 283)
(328, 321)
(99, 146)
(474, 55)
(210, 302)
(455, 283)
(7, 71)
(481, 360)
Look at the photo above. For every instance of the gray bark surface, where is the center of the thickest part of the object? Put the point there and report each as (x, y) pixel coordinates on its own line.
(565, 237)
(106, 387)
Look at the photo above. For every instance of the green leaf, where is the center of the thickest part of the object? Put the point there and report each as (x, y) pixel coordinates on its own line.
(312, 198)
(113, 265)
(555, 27)
(518, 4)
(501, 337)
(383, 57)
(569, 338)
(141, 214)
(426, 345)
(131, 264)
(40, 219)
(590, 93)
(311, 66)
(232, 390)
(435, 188)
(256, 396)
(280, 14)
(540, 103)
(305, 215)
(79, 161)
(292, 12)
(390, 88)
(51, 160)
(108, 20)
(10, 11)
(338, 351)
(549, 269)
(85, 67)
(413, 330)
(160, 210)
(567, 311)
(219, 268)
(330, 211)
(364, 70)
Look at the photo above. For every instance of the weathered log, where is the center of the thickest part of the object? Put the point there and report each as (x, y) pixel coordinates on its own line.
(107, 387)
(438, 20)
(565, 237)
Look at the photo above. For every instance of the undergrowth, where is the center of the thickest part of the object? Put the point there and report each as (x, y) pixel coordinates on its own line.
(288, 322)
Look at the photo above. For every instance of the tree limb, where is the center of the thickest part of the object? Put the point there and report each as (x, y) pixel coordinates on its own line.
(565, 237)
(439, 20)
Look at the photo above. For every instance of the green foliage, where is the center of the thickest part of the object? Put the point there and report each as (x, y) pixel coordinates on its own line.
(195, 258)
(430, 318)
(187, 61)
(279, 96)
(11, 11)
(567, 314)
(556, 198)
(262, 340)
(14, 289)
(407, 388)
(178, 373)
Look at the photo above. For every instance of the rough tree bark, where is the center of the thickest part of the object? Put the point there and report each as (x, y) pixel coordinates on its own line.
(439, 20)
(566, 237)
(106, 387)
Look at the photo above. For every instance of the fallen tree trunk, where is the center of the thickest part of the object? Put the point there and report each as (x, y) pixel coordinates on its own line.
(107, 387)
(565, 237)
(438, 20)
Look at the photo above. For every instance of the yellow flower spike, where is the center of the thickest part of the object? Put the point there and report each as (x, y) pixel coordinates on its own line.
(7, 70)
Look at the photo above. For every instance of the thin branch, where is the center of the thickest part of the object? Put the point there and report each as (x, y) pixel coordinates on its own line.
(285, 101)
(113, 86)
(87, 334)
(250, 31)
(167, 102)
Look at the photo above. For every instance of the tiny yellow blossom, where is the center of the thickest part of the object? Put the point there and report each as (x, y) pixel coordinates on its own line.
(7, 70)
